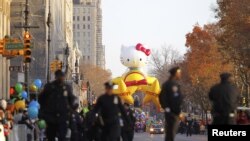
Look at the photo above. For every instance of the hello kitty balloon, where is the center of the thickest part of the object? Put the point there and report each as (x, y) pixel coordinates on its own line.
(136, 57)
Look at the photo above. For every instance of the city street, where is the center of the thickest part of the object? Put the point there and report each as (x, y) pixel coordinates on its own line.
(148, 137)
(84, 70)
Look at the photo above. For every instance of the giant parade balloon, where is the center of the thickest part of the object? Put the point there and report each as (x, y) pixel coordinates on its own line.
(135, 58)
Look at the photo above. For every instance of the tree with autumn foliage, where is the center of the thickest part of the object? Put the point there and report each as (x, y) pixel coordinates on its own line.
(203, 62)
(96, 77)
(234, 22)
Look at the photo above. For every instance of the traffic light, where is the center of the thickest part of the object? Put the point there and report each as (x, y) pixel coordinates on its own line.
(59, 65)
(27, 49)
(2, 46)
(53, 66)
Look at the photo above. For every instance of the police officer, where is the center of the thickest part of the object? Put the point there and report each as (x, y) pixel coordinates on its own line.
(128, 128)
(56, 102)
(171, 100)
(112, 114)
(224, 97)
(189, 123)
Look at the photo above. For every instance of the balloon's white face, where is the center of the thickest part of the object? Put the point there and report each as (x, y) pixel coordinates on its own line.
(132, 58)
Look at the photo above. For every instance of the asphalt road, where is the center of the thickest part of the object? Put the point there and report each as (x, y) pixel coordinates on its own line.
(148, 137)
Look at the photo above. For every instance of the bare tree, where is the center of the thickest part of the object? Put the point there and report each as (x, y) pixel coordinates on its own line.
(162, 60)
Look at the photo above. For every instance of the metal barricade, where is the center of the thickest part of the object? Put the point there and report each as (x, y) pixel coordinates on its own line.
(20, 132)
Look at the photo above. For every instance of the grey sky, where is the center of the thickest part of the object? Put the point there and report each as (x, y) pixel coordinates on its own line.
(152, 22)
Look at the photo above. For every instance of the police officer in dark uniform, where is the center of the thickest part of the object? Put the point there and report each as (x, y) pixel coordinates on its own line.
(189, 123)
(128, 128)
(171, 100)
(112, 114)
(56, 102)
(224, 97)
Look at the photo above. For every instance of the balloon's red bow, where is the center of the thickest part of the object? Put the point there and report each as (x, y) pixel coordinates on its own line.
(141, 48)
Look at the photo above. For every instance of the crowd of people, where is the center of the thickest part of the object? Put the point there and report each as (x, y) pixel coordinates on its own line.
(110, 119)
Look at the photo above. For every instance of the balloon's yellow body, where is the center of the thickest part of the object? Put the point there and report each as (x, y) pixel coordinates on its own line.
(135, 80)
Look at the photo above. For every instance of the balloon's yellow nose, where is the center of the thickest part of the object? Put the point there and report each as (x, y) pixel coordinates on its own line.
(134, 62)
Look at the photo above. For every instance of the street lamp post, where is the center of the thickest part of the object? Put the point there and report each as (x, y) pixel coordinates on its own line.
(48, 40)
(88, 92)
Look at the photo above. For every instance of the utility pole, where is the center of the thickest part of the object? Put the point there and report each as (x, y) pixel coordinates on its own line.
(26, 65)
(26, 28)
(48, 40)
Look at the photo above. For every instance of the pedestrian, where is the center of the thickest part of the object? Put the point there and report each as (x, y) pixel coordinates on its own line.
(92, 126)
(189, 124)
(111, 114)
(171, 99)
(242, 118)
(196, 127)
(56, 102)
(18, 116)
(224, 97)
(128, 128)
(76, 125)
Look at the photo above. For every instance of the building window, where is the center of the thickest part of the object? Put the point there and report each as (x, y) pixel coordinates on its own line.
(88, 18)
(78, 33)
(88, 34)
(83, 18)
(78, 18)
(83, 34)
(83, 58)
(74, 26)
(88, 57)
(83, 26)
(74, 18)
(88, 26)
(78, 26)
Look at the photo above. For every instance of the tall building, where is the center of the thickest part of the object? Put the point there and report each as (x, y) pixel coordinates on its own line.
(4, 62)
(61, 26)
(87, 29)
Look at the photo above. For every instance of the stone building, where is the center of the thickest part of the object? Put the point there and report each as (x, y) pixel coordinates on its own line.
(4, 62)
(87, 27)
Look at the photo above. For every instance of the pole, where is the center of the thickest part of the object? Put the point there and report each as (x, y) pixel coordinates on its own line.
(26, 64)
(26, 28)
(49, 40)
(88, 92)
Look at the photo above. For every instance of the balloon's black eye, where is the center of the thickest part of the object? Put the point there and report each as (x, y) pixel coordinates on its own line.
(128, 60)
(140, 59)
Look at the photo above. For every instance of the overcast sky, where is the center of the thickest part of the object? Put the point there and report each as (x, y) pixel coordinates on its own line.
(152, 22)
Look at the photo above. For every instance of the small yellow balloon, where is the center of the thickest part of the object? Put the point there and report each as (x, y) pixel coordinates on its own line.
(33, 88)
(20, 105)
